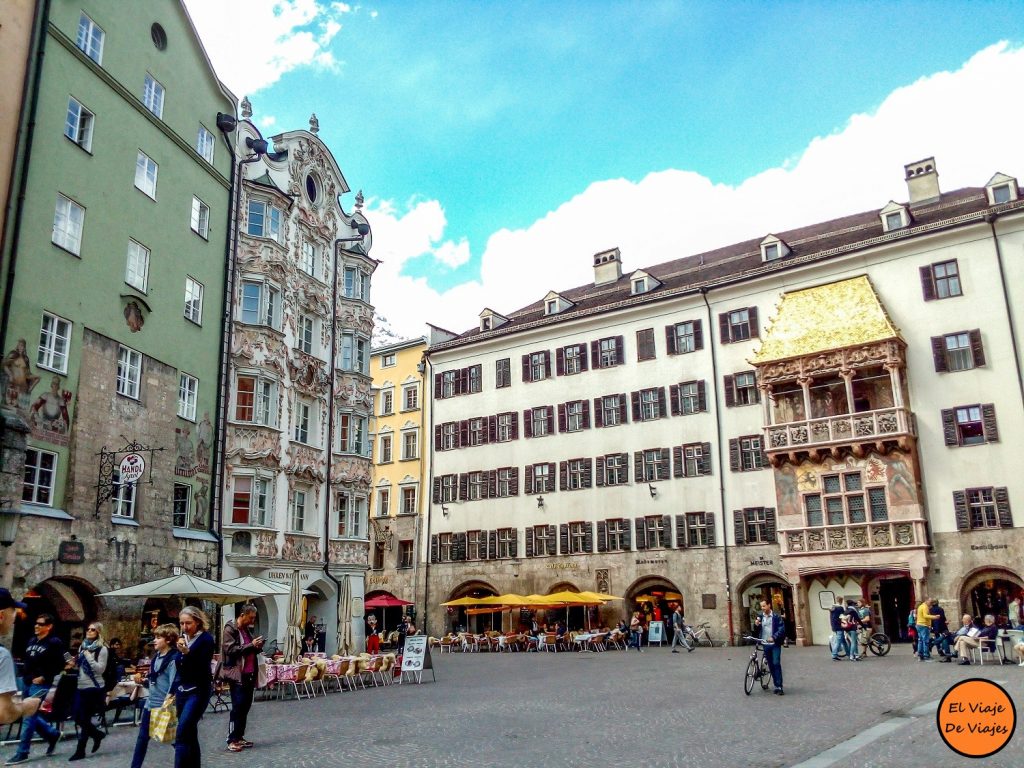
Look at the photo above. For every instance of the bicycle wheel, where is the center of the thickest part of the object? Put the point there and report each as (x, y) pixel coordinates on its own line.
(688, 640)
(879, 644)
(766, 675)
(707, 637)
(748, 681)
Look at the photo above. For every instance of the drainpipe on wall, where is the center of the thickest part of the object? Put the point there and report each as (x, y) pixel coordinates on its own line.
(429, 490)
(330, 425)
(991, 219)
(722, 462)
(426, 440)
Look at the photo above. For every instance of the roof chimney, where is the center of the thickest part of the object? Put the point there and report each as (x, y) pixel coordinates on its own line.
(922, 181)
(607, 267)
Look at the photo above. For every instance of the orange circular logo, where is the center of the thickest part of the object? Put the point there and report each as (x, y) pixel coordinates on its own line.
(976, 718)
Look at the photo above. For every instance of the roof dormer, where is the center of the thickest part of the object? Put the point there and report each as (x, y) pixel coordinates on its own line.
(894, 217)
(489, 320)
(774, 248)
(642, 282)
(1001, 189)
(555, 303)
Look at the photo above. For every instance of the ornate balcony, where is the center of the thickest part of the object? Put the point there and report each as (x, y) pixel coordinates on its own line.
(848, 429)
(853, 537)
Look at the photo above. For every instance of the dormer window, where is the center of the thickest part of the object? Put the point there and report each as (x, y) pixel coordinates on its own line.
(773, 249)
(552, 307)
(894, 217)
(489, 320)
(771, 252)
(1001, 189)
(485, 324)
(1001, 194)
(640, 286)
(893, 221)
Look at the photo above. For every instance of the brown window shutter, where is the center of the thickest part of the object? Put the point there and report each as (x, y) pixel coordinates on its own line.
(551, 418)
(670, 339)
(463, 434)
(757, 389)
(666, 530)
(588, 536)
(526, 368)
(698, 335)
(598, 413)
(585, 414)
(677, 461)
(977, 348)
(492, 484)
(588, 473)
(625, 463)
(705, 459)
(600, 471)
(769, 524)
(729, 389)
(528, 476)
(635, 396)
(734, 455)
(620, 350)
(492, 545)
(552, 468)
(723, 328)
(640, 525)
(463, 387)
(949, 431)
(529, 542)
(563, 475)
(459, 547)
(515, 424)
(552, 544)
(563, 538)
(1002, 497)
(739, 526)
(602, 536)
(561, 417)
(662, 407)
(437, 490)
(492, 429)
(939, 353)
(709, 526)
(680, 531)
(673, 397)
(622, 408)
(434, 549)
(626, 535)
(560, 361)
(988, 420)
(513, 485)
(528, 422)
(437, 386)
(638, 466)
(583, 357)
(702, 396)
(547, 364)
(963, 517)
(663, 465)
(513, 545)
(437, 437)
(927, 284)
(463, 486)
(595, 353)
(764, 455)
(752, 315)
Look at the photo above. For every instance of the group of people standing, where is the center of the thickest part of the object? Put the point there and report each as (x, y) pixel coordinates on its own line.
(932, 631)
(847, 618)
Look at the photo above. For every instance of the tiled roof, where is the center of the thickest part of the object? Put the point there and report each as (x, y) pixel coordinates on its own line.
(741, 261)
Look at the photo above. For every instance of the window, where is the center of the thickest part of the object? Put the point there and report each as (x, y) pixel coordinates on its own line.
(941, 280)
(682, 338)
(408, 501)
(303, 422)
(1001, 194)
(485, 323)
(970, 425)
(305, 333)
(536, 366)
(205, 144)
(406, 554)
(78, 124)
(188, 391)
(410, 445)
(657, 536)
(200, 220)
(696, 529)
(841, 501)
(542, 480)
(738, 325)
(982, 507)
(448, 381)
(180, 505)
(40, 471)
(256, 400)
(647, 404)
(299, 517)
(129, 372)
(54, 340)
(506, 427)
(136, 271)
(544, 542)
(746, 454)
(616, 469)
(475, 432)
(575, 416)
(573, 359)
(508, 482)
(959, 351)
(251, 501)
(260, 303)
(355, 353)
(771, 251)
(639, 285)
(577, 472)
(194, 300)
(383, 502)
(351, 512)
(68, 222)
(502, 373)
(551, 307)
(122, 497)
(541, 421)
(476, 545)
(611, 410)
(578, 538)
(357, 284)
(385, 449)
(145, 174)
(410, 398)
(755, 520)
(264, 220)
(352, 435)
(388, 360)
(90, 39)
(617, 532)
(153, 95)
(651, 465)
(387, 402)
(476, 488)
(307, 263)
(449, 488)
(444, 547)
(689, 398)
(741, 389)
(608, 352)
(475, 378)
(893, 221)
(693, 460)
(645, 349)
(449, 436)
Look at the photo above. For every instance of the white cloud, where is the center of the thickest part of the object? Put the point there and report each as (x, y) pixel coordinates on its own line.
(267, 121)
(279, 35)
(965, 119)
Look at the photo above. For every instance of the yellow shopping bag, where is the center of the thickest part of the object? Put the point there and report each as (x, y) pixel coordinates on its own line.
(163, 722)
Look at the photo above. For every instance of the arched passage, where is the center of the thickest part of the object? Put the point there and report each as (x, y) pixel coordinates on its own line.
(70, 600)
(989, 590)
(655, 597)
(770, 586)
(458, 615)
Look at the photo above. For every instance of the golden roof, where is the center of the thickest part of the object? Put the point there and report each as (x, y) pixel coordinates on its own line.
(847, 313)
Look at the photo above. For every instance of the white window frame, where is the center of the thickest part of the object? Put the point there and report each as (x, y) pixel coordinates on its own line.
(299, 509)
(356, 284)
(410, 439)
(685, 338)
(616, 469)
(616, 530)
(575, 471)
(410, 398)
(410, 497)
(387, 360)
(205, 143)
(136, 268)
(153, 95)
(54, 343)
(199, 220)
(539, 421)
(476, 487)
(261, 500)
(577, 538)
(304, 428)
(123, 497)
(267, 309)
(504, 426)
(386, 448)
(611, 406)
(308, 257)
(68, 225)
(572, 358)
(506, 537)
(305, 334)
(188, 396)
(383, 502)
(538, 366)
(264, 399)
(354, 353)
(387, 401)
(129, 372)
(352, 434)
(39, 481)
(193, 300)
(175, 499)
(574, 416)
(449, 488)
(651, 465)
(649, 409)
(269, 217)
(350, 511)
(542, 478)
(146, 173)
(90, 38)
(78, 124)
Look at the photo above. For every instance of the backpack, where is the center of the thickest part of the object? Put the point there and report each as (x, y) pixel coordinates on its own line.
(110, 671)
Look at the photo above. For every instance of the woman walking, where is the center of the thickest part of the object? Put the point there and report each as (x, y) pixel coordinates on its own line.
(196, 647)
(163, 671)
(91, 697)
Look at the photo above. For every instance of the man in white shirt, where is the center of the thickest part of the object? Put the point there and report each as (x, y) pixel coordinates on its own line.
(11, 711)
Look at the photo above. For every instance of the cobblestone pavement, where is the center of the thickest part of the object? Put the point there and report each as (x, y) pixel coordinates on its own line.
(610, 709)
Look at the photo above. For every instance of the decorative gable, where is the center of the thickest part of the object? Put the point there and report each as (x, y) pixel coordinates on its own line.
(1001, 189)
(489, 320)
(774, 248)
(894, 217)
(554, 303)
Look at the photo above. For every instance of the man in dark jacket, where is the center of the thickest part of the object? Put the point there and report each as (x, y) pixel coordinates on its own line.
(835, 617)
(239, 652)
(771, 628)
(44, 659)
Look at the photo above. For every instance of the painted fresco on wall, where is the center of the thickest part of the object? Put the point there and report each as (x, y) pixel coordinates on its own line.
(20, 379)
(893, 469)
(193, 458)
(47, 413)
(204, 442)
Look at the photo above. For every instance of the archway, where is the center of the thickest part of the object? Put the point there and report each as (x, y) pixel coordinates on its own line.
(69, 600)
(655, 597)
(389, 616)
(766, 585)
(989, 590)
(574, 616)
(459, 617)
(321, 613)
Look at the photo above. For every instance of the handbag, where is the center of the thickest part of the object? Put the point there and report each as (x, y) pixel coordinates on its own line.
(163, 722)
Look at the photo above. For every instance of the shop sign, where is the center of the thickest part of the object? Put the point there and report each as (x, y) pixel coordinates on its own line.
(131, 468)
(652, 561)
(563, 566)
(286, 576)
(762, 561)
(377, 580)
(976, 547)
(71, 553)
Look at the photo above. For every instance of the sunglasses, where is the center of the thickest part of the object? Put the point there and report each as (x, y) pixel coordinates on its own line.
(42, 624)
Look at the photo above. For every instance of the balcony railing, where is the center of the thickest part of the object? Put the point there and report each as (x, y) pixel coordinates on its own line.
(853, 537)
(837, 430)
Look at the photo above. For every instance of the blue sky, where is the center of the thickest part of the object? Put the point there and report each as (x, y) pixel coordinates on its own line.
(479, 131)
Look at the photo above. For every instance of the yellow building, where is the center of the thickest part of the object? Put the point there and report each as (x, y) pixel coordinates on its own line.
(400, 456)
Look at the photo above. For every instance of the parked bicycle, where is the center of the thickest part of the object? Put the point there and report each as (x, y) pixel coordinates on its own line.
(757, 667)
(699, 635)
(876, 642)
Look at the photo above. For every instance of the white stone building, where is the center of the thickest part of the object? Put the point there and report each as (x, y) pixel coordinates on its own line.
(822, 410)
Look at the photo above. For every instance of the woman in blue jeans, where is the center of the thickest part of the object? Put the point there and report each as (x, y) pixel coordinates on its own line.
(163, 673)
(195, 677)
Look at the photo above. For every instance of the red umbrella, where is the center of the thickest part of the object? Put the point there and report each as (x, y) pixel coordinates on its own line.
(385, 601)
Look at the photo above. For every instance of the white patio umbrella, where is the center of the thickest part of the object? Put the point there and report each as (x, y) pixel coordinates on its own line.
(345, 616)
(185, 585)
(293, 636)
(264, 587)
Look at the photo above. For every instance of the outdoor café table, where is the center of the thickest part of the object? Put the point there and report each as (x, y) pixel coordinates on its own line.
(582, 641)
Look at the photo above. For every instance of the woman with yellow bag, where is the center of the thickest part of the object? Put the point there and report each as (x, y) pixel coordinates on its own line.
(159, 718)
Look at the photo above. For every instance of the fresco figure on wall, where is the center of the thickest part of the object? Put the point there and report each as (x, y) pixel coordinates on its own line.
(133, 316)
(204, 439)
(901, 480)
(202, 497)
(785, 485)
(20, 379)
(185, 465)
(50, 411)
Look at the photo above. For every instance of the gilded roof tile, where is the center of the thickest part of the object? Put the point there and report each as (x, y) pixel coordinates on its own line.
(843, 314)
